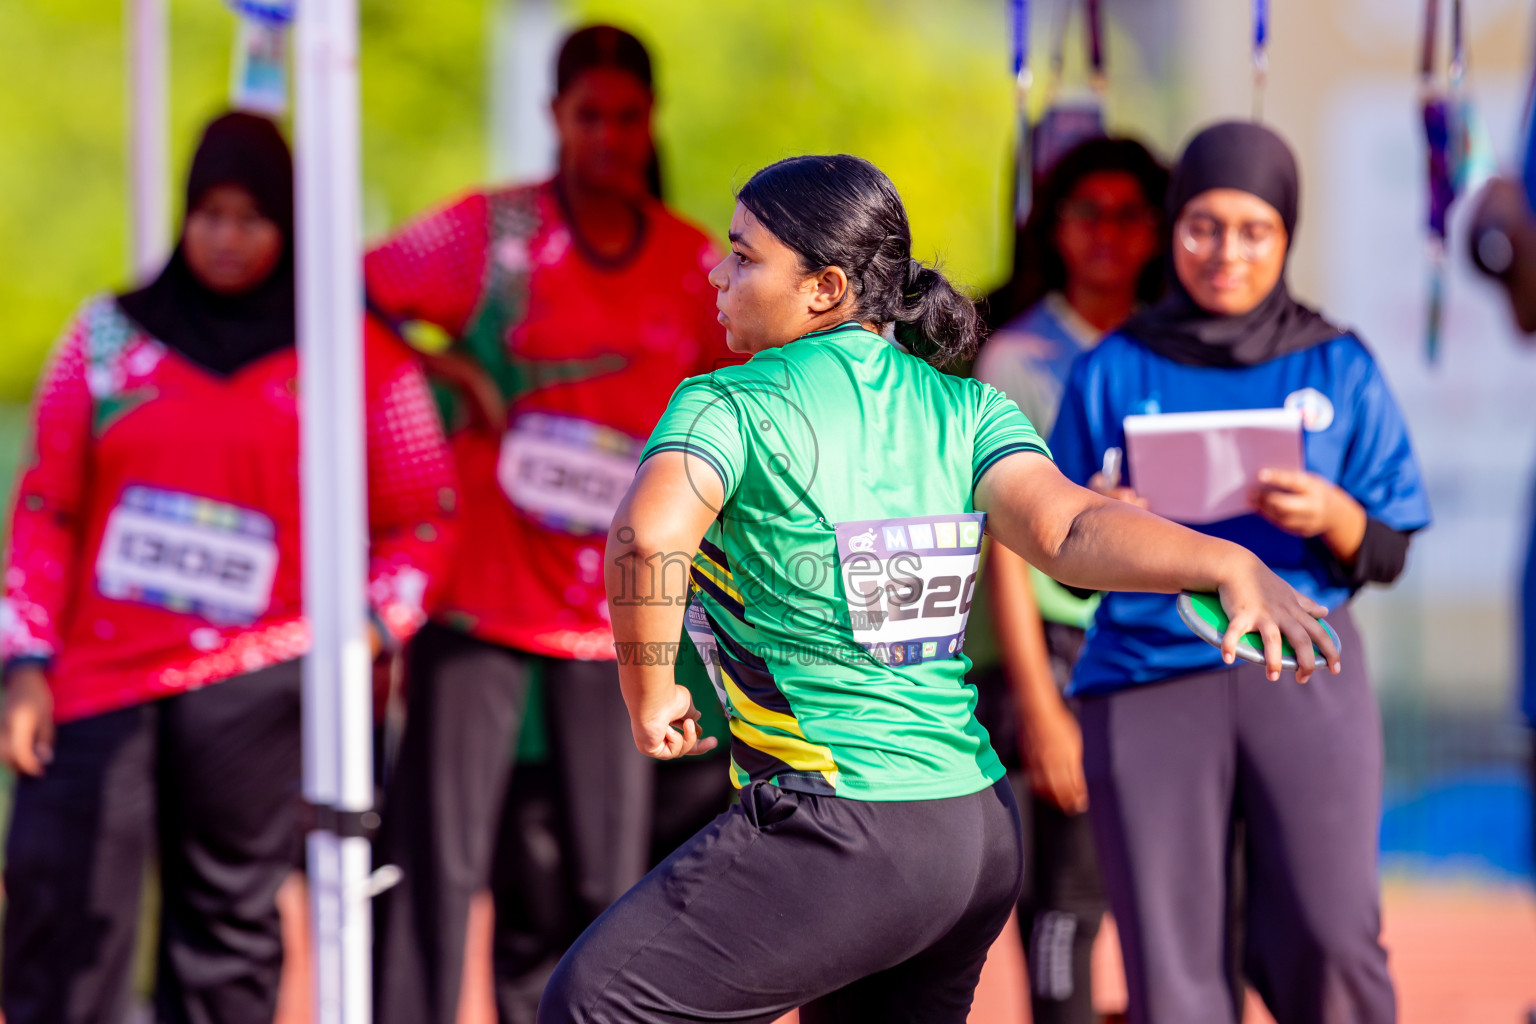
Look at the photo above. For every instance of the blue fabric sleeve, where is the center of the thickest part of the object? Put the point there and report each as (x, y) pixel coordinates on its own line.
(1078, 440)
(1379, 469)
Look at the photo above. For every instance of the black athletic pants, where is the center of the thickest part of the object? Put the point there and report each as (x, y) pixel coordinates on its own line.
(212, 778)
(464, 707)
(1062, 902)
(1170, 766)
(857, 911)
(1060, 908)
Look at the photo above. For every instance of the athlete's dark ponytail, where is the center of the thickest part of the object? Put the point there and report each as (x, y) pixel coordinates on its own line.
(841, 211)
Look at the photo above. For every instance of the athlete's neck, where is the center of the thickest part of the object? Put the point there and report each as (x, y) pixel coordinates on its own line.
(1105, 308)
(830, 319)
(609, 224)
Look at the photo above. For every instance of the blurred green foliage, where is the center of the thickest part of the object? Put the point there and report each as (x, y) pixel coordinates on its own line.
(920, 88)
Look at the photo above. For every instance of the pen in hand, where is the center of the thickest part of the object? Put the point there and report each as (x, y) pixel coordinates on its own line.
(1110, 470)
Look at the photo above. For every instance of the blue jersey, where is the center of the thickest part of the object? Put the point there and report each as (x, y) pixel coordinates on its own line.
(1029, 360)
(1355, 437)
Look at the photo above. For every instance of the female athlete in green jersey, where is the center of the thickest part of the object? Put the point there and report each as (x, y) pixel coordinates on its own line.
(813, 518)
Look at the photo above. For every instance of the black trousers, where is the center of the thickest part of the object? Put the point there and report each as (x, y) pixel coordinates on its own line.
(1170, 766)
(856, 911)
(1062, 902)
(443, 810)
(212, 778)
(1060, 908)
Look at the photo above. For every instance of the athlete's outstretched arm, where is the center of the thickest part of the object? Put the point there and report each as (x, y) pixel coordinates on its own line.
(1087, 540)
(660, 521)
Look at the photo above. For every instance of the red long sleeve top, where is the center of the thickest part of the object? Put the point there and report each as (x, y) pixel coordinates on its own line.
(589, 355)
(155, 541)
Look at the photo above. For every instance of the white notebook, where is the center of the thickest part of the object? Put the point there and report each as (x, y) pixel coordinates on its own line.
(1202, 467)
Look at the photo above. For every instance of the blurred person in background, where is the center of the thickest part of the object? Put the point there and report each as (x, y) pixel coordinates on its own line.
(153, 625)
(1502, 241)
(1177, 745)
(1088, 256)
(575, 306)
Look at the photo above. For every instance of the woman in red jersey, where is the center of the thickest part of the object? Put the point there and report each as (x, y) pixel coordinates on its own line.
(153, 620)
(577, 306)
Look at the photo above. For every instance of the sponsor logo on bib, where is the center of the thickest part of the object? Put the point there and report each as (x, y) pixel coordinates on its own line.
(188, 554)
(567, 473)
(909, 584)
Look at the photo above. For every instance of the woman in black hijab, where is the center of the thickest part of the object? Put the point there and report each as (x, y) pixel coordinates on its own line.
(225, 298)
(1179, 747)
(154, 620)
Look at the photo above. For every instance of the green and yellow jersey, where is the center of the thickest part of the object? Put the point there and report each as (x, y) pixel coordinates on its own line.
(829, 596)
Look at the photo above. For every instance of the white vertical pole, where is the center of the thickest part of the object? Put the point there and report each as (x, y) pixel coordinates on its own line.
(338, 701)
(523, 38)
(148, 175)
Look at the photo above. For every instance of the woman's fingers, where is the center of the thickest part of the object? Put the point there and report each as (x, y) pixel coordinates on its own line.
(1061, 786)
(1284, 479)
(1279, 615)
(1301, 643)
(1285, 511)
(706, 744)
(1099, 484)
(1238, 625)
(1319, 635)
(1269, 632)
(1076, 791)
(19, 736)
(44, 742)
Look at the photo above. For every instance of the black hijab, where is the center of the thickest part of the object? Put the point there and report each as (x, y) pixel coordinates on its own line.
(1249, 157)
(226, 332)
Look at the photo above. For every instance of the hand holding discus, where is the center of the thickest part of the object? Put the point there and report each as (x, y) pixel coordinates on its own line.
(1226, 620)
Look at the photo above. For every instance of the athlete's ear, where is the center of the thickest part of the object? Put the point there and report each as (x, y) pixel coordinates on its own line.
(827, 287)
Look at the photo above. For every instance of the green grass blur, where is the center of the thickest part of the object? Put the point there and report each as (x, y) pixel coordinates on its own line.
(920, 88)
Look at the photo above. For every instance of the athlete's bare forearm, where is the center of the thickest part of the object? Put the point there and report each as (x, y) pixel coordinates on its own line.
(663, 514)
(1111, 545)
(1087, 540)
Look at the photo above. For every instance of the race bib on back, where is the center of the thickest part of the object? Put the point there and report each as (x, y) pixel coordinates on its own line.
(567, 473)
(189, 555)
(909, 583)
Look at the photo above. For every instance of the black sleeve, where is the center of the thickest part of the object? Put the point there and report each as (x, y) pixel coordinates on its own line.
(1382, 555)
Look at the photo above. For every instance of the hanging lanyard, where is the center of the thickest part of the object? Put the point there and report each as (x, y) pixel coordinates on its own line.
(1095, 44)
(1093, 30)
(1458, 53)
(274, 12)
(1024, 78)
(1442, 109)
(1260, 55)
(1021, 73)
(1023, 189)
(1427, 52)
